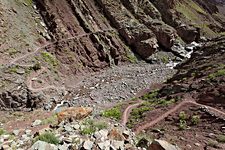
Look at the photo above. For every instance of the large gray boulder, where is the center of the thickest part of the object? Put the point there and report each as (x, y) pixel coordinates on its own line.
(40, 145)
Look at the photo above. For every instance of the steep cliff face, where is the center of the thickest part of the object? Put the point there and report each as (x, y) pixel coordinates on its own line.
(68, 37)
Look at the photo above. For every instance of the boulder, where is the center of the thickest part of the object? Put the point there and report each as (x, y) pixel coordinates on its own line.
(88, 145)
(188, 33)
(143, 143)
(118, 144)
(114, 134)
(104, 145)
(40, 145)
(74, 113)
(162, 145)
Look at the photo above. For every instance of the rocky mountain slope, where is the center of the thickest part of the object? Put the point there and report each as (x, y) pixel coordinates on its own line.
(115, 59)
(67, 38)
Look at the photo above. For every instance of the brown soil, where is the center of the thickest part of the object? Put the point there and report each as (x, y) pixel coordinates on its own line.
(23, 120)
(198, 136)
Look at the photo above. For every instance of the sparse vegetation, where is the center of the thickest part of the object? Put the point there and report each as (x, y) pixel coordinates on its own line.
(87, 130)
(221, 138)
(195, 119)
(183, 125)
(182, 120)
(182, 115)
(13, 69)
(50, 120)
(151, 95)
(48, 137)
(2, 131)
(12, 51)
(216, 74)
(114, 112)
(131, 58)
(92, 126)
(137, 114)
(212, 143)
(50, 59)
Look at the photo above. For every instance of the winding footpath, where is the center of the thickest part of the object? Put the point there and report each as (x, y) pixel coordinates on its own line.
(127, 112)
(145, 126)
(13, 62)
(35, 74)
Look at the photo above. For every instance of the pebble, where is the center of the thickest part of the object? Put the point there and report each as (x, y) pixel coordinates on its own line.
(16, 132)
(197, 144)
(28, 132)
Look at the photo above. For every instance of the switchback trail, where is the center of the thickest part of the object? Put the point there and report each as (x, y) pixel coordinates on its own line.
(35, 74)
(127, 112)
(13, 62)
(164, 115)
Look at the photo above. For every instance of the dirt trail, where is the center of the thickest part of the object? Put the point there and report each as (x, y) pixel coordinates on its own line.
(13, 62)
(166, 114)
(35, 74)
(127, 112)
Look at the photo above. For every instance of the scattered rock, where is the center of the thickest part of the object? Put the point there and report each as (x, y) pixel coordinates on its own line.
(16, 132)
(162, 145)
(143, 143)
(36, 123)
(88, 145)
(118, 144)
(114, 134)
(104, 145)
(40, 145)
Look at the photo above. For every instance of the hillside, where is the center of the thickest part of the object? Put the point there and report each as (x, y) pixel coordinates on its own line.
(137, 62)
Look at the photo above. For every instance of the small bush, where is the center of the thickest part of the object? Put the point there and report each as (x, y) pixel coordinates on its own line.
(195, 119)
(183, 125)
(100, 125)
(151, 95)
(91, 126)
(2, 131)
(221, 138)
(48, 137)
(88, 130)
(213, 144)
(49, 58)
(219, 73)
(113, 112)
(182, 115)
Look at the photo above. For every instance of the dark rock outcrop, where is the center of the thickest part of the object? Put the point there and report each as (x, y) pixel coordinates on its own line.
(19, 99)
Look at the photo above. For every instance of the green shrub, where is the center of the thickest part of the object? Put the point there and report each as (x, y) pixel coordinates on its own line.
(213, 144)
(114, 112)
(221, 138)
(151, 95)
(183, 125)
(49, 58)
(2, 131)
(219, 73)
(88, 130)
(182, 115)
(91, 126)
(195, 119)
(100, 125)
(48, 137)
